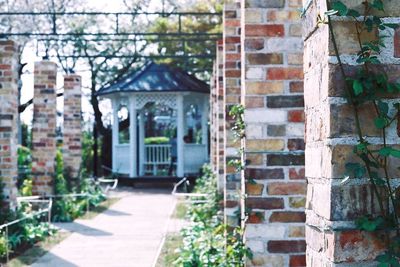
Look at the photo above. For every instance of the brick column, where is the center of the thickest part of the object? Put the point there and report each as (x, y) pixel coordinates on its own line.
(44, 127)
(217, 117)
(231, 96)
(8, 119)
(72, 135)
(333, 206)
(273, 92)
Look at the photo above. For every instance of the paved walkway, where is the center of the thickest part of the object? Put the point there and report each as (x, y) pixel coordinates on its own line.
(127, 234)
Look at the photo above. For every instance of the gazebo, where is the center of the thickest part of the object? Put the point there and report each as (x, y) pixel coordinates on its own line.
(155, 100)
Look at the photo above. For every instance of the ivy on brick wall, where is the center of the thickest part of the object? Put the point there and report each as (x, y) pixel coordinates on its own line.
(370, 87)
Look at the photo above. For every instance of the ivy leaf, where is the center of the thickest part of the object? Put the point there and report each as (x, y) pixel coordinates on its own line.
(369, 24)
(395, 153)
(355, 170)
(393, 26)
(367, 224)
(340, 8)
(383, 107)
(380, 123)
(353, 13)
(385, 151)
(357, 87)
(378, 4)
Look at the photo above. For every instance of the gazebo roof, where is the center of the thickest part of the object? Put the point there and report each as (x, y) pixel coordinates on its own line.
(154, 77)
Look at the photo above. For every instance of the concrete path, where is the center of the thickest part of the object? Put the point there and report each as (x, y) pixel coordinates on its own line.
(127, 234)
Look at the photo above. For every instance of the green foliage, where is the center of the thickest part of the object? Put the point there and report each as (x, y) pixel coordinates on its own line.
(189, 24)
(156, 140)
(207, 241)
(237, 113)
(23, 234)
(26, 188)
(368, 87)
(87, 152)
(24, 170)
(68, 208)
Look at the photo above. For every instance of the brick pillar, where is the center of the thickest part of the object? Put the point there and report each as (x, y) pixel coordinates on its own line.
(330, 137)
(217, 117)
(8, 119)
(274, 116)
(72, 135)
(231, 83)
(44, 127)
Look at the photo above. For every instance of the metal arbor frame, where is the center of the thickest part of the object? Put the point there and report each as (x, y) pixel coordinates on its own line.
(56, 34)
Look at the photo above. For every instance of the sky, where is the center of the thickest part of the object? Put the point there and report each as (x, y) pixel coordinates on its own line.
(29, 56)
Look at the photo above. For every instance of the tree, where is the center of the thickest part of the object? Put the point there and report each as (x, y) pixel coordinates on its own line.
(184, 45)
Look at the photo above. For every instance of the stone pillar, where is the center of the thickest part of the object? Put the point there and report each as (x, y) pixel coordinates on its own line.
(232, 75)
(72, 135)
(273, 95)
(332, 206)
(8, 119)
(44, 127)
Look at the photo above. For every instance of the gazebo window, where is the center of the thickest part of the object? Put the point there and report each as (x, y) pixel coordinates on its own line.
(123, 124)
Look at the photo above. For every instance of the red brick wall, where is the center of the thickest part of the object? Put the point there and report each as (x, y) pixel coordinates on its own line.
(8, 119)
(330, 140)
(273, 91)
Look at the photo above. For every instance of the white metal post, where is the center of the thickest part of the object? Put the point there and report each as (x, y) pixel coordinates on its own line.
(132, 137)
(115, 106)
(180, 134)
(141, 144)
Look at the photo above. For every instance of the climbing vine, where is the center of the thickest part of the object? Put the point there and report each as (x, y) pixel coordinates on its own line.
(371, 86)
(238, 129)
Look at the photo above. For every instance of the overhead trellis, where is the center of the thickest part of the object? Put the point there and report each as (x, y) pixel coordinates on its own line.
(113, 31)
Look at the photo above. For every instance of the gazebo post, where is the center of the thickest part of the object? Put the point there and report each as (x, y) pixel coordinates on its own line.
(180, 133)
(204, 126)
(141, 144)
(132, 137)
(114, 133)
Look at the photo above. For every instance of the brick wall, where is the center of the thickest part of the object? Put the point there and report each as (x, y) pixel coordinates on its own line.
(273, 91)
(231, 96)
(8, 119)
(44, 127)
(72, 135)
(330, 137)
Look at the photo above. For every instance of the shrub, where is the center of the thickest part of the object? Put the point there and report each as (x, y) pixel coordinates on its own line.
(207, 241)
(156, 140)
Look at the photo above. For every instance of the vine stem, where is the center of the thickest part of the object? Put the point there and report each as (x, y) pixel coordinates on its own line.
(355, 108)
(378, 113)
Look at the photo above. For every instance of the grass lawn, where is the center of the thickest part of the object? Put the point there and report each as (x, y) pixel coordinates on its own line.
(168, 254)
(39, 249)
(172, 241)
(180, 211)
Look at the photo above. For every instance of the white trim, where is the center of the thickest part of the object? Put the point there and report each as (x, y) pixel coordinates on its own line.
(114, 133)
(142, 155)
(180, 134)
(132, 137)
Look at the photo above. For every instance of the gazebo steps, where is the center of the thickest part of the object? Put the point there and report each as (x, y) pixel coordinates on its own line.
(154, 181)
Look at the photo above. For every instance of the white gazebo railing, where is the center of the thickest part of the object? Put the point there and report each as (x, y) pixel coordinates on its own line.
(157, 159)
